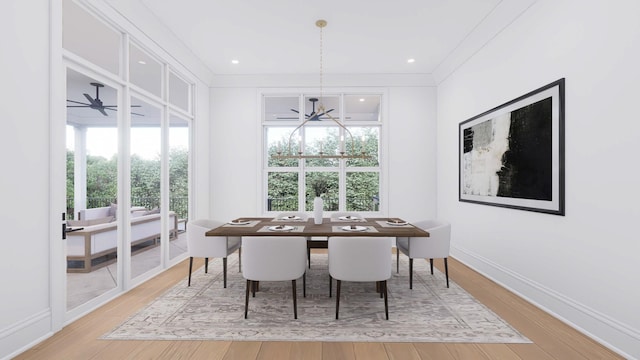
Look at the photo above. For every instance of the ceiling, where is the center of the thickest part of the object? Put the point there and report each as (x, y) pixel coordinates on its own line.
(279, 37)
(362, 36)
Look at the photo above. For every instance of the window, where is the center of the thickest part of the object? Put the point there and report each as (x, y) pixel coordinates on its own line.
(353, 184)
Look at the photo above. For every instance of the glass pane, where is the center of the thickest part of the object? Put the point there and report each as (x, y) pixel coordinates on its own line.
(145, 71)
(178, 184)
(312, 108)
(89, 38)
(92, 184)
(363, 191)
(321, 139)
(145, 187)
(277, 140)
(362, 107)
(281, 108)
(282, 191)
(179, 92)
(365, 139)
(331, 197)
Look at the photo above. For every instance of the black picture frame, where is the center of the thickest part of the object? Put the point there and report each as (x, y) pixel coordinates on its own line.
(512, 156)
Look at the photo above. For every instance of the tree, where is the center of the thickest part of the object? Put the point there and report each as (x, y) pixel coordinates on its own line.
(102, 184)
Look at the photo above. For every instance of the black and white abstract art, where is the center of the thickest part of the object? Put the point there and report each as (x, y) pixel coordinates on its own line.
(513, 155)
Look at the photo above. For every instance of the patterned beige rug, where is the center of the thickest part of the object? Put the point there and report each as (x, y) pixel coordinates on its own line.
(428, 313)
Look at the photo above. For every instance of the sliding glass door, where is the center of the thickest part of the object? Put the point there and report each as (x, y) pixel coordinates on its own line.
(128, 119)
(92, 185)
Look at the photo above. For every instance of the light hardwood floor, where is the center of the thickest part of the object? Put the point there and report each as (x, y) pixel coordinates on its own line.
(551, 338)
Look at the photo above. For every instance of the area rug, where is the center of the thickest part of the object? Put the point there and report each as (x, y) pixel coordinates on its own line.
(430, 312)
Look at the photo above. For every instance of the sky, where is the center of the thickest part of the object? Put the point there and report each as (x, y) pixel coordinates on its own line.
(145, 142)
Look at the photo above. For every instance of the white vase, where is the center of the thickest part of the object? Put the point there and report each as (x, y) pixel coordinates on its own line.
(318, 203)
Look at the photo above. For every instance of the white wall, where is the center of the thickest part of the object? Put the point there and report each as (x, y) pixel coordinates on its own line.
(233, 188)
(583, 266)
(24, 183)
(235, 141)
(412, 153)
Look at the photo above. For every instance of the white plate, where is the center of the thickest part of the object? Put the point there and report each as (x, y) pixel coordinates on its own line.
(281, 228)
(291, 217)
(355, 228)
(243, 222)
(396, 223)
(349, 218)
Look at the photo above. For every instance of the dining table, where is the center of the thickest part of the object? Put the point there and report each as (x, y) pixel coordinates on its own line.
(295, 226)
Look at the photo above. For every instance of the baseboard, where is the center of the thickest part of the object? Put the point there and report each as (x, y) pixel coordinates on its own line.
(22, 336)
(608, 331)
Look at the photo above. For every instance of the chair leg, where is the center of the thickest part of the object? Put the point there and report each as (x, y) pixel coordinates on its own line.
(386, 303)
(246, 298)
(330, 285)
(397, 260)
(379, 288)
(254, 286)
(190, 267)
(304, 285)
(295, 304)
(410, 273)
(431, 263)
(224, 272)
(206, 265)
(446, 271)
(309, 255)
(240, 259)
(338, 282)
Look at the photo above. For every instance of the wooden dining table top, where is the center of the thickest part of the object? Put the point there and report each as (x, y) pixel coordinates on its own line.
(266, 226)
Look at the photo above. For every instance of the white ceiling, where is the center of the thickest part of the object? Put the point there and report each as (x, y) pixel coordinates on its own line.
(362, 36)
(279, 37)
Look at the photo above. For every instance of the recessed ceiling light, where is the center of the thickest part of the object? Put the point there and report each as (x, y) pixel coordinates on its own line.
(142, 62)
(235, 62)
(411, 60)
(362, 99)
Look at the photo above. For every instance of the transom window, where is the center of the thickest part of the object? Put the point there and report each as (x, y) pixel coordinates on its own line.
(353, 183)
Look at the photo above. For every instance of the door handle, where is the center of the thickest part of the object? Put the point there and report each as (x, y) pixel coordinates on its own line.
(64, 227)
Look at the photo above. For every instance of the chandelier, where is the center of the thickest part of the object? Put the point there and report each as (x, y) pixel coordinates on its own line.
(315, 116)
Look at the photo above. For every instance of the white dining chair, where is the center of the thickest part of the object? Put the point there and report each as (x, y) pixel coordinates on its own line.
(274, 258)
(200, 245)
(321, 242)
(360, 259)
(436, 246)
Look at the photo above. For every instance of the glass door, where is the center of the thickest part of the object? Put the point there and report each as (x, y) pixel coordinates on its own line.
(92, 169)
(146, 156)
(178, 185)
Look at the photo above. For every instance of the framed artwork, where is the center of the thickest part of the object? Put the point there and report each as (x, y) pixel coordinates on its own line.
(513, 155)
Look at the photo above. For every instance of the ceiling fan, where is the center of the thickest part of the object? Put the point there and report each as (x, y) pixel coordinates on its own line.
(96, 103)
(313, 116)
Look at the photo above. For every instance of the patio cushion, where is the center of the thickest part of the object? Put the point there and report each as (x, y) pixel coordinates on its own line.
(90, 222)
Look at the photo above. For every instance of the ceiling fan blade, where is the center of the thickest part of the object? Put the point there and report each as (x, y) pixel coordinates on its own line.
(78, 106)
(137, 114)
(115, 106)
(102, 111)
(78, 102)
(295, 111)
(91, 100)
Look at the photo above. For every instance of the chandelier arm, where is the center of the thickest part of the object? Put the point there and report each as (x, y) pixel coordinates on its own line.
(345, 129)
(294, 131)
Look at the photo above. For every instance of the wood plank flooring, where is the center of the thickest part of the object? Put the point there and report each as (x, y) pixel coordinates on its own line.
(551, 338)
